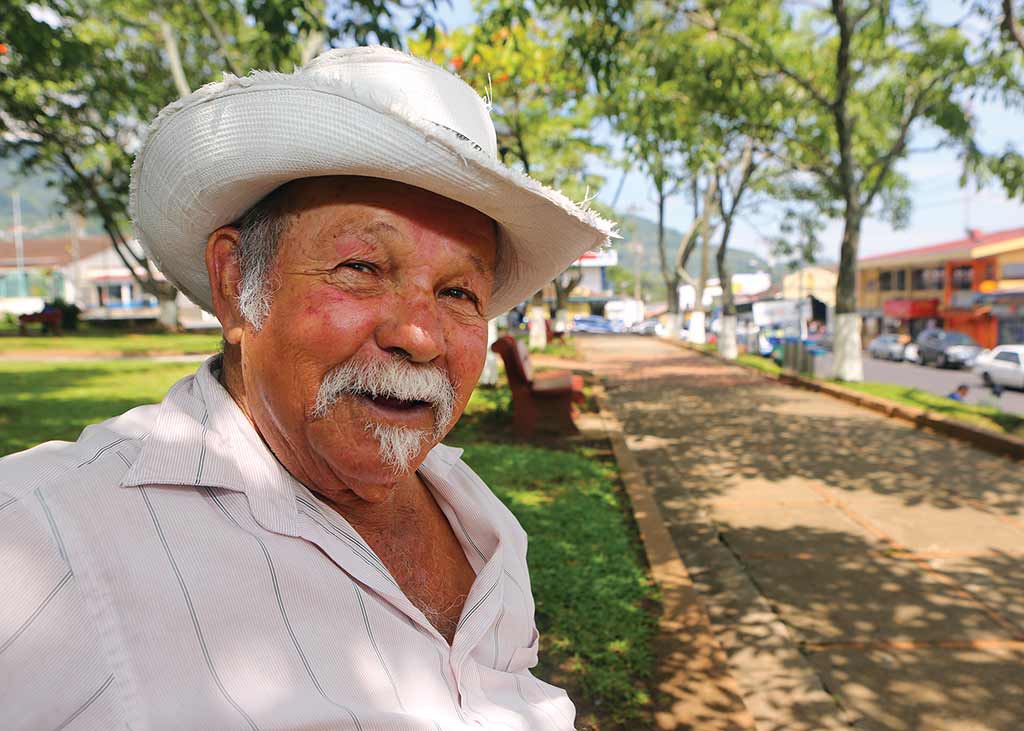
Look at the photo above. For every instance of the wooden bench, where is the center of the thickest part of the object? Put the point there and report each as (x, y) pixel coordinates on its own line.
(50, 320)
(553, 334)
(541, 401)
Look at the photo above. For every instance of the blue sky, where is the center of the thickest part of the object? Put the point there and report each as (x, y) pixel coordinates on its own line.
(941, 210)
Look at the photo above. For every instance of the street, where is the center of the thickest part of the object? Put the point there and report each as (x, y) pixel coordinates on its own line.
(859, 573)
(939, 381)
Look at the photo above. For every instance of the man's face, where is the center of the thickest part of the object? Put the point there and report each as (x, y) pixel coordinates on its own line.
(373, 280)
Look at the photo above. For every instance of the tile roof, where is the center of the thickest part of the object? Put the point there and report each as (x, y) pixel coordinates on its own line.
(977, 238)
(51, 252)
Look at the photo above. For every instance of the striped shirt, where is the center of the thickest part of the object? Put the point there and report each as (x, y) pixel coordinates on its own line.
(165, 571)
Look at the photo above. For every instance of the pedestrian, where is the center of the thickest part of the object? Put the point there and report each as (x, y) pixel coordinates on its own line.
(960, 394)
(284, 542)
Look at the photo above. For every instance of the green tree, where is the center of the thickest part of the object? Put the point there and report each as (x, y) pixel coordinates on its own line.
(1011, 23)
(542, 113)
(81, 79)
(861, 77)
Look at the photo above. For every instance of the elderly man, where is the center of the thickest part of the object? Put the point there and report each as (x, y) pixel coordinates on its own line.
(283, 542)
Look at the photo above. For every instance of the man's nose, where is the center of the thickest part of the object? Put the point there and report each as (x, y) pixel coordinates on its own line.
(412, 327)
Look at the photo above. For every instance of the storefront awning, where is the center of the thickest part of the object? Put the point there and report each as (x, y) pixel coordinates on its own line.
(910, 309)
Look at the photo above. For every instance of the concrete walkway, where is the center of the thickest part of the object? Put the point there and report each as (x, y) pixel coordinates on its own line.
(858, 573)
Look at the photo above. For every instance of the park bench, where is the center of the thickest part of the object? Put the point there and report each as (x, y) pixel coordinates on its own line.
(553, 334)
(539, 400)
(49, 319)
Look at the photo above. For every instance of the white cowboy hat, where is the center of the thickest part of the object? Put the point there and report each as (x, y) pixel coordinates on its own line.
(375, 112)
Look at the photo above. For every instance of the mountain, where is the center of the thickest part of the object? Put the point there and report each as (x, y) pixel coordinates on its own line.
(634, 228)
(40, 209)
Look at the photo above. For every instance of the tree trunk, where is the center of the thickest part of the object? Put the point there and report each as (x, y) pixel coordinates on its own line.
(847, 362)
(671, 281)
(538, 314)
(489, 375)
(727, 332)
(168, 319)
(727, 338)
(563, 290)
(698, 331)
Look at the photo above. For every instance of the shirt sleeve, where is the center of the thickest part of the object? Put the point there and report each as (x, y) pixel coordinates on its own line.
(53, 672)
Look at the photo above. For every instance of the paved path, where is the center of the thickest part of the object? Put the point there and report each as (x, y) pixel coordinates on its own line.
(859, 573)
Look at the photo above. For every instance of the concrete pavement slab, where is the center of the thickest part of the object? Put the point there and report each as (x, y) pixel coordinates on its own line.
(996, 579)
(930, 689)
(925, 527)
(746, 472)
(864, 598)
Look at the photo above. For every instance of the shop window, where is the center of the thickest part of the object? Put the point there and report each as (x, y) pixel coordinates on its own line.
(963, 277)
(1013, 270)
(927, 279)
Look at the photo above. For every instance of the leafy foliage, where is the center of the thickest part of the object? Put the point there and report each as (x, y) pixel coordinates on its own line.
(80, 80)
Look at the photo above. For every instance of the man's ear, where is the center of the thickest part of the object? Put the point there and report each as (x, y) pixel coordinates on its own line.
(225, 279)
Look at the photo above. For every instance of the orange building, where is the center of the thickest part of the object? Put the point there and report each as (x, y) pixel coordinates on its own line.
(973, 285)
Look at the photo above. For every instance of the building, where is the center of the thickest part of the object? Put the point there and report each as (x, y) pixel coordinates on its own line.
(86, 271)
(974, 285)
(46, 270)
(818, 282)
(745, 286)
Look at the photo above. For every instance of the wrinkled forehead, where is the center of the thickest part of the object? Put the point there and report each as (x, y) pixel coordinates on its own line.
(382, 211)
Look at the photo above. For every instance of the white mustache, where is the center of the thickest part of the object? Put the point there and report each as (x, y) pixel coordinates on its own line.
(395, 378)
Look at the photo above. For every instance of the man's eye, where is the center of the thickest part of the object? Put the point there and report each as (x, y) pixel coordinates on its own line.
(459, 293)
(359, 266)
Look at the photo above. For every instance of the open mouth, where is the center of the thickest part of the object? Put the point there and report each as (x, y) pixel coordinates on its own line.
(394, 404)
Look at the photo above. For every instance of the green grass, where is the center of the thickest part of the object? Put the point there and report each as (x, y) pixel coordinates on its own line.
(762, 364)
(122, 343)
(44, 401)
(984, 416)
(566, 349)
(593, 595)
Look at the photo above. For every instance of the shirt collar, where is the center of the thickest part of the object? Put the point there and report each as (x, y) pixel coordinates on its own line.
(201, 438)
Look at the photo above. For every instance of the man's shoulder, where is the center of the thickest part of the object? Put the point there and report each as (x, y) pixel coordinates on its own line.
(102, 453)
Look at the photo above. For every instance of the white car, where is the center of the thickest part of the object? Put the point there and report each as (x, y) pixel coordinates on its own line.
(1003, 365)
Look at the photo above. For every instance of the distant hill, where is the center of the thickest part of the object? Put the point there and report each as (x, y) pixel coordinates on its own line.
(42, 215)
(39, 203)
(740, 260)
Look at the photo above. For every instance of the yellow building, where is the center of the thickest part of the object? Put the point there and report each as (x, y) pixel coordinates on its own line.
(973, 285)
(816, 281)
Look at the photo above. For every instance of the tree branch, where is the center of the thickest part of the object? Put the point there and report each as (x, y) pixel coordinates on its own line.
(218, 35)
(705, 20)
(884, 164)
(1010, 24)
(173, 57)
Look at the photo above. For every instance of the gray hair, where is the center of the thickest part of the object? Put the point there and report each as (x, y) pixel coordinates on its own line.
(259, 237)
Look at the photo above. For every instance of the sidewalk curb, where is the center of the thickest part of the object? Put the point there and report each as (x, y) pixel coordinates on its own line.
(694, 672)
(991, 441)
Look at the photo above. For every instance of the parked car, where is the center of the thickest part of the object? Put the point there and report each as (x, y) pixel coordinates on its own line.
(1003, 366)
(652, 326)
(946, 348)
(592, 324)
(888, 346)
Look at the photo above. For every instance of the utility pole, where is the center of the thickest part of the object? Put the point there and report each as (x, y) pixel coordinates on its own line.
(19, 243)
